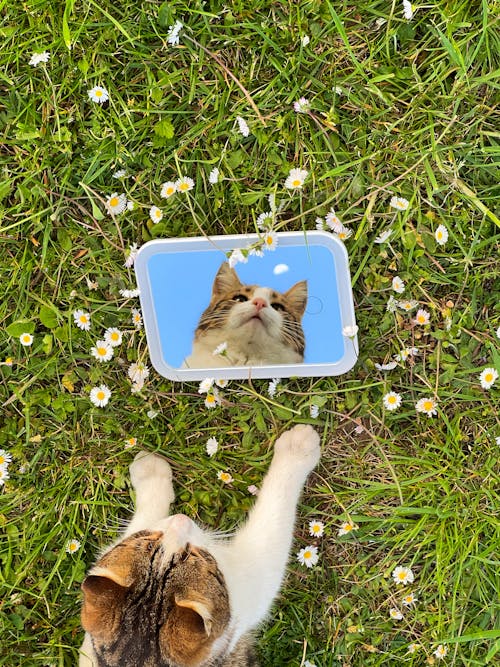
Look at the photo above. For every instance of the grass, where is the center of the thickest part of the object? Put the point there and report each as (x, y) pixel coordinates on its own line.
(417, 117)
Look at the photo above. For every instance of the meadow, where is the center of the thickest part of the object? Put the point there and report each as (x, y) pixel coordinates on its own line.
(101, 104)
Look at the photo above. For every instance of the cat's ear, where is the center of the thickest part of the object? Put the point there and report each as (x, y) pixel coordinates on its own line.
(226, 280)
(296, 297)
(188, 628)
(103, 594)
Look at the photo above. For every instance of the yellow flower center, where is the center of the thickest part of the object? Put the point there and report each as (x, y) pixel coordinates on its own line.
(347, 526)
(428, 406)
(98, 93)
(402, 576)
(170, 190)
(307, 554)
(421, 318)
(183, 186)
(391, 399)
(115, 336)
(488, 377)
(113, 201)
(100, 396)
(101, 351)
(157, 214)
(83, 319)
(210, 398)
(296, 183)
(2, 460)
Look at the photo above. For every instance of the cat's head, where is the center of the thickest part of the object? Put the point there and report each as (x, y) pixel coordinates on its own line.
(144, 605)
(256, 313)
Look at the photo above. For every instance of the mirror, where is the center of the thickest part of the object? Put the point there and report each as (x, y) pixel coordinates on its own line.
(280, 313)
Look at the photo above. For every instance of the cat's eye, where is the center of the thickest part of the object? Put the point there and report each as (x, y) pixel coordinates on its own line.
(277, 306)
(240, 297)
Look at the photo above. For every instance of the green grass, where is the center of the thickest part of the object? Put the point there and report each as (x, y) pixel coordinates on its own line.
(418, 117)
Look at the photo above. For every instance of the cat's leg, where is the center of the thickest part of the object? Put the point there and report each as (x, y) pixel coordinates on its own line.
(257, 556)
(151, 477)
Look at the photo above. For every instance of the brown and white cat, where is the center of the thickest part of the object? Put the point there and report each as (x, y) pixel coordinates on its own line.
(259, 325)
(169, 594)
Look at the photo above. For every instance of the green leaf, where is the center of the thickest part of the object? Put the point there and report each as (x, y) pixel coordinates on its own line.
(19, 327)
(165, 16)
(48, 317)
(164, 128)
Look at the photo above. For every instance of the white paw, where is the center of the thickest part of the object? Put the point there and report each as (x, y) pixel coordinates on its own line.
(300, 443)
(147, 469)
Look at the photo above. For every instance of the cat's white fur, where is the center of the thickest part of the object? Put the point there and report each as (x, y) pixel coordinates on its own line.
(252, 333)
(253, 562)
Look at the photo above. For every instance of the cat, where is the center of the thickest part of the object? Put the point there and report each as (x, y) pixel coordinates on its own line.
(257, 325)
(169, 594)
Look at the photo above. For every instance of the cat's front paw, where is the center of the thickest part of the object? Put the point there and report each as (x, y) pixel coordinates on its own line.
(147, 469)
(300, 443)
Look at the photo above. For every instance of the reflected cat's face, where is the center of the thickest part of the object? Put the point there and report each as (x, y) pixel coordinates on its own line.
(258, 324)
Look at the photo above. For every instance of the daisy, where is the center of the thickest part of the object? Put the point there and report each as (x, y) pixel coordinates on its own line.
(320, 225)
(222, 383)
(407, 10)
(296, 178)
(113, 336)
(168, 189)
(265, 220)
(422, 317)
(350, 330)
(213, 176)
(314, 411)
(273, 385)
(102, 351)
(395, 614)
(305, 40)
(412, 648)
(73, 546)
(402, 575)
(308, 663)
(426, 405)
(131, 254)
(4, 475)
(130, 205)
(386, 367)
(224, 477)
(338, 90)
(5, 458)
(488, 377)
(220, 349)
(400, 203)
(346, 527)
(130, 293)
(407, 305)
(38, 58)
(441, 652)
(130, 442)
(383, 236)
(100, 396)
(9, 361)
(205, 385)
(344, 234)
(441, 235)
(138, 371)
(137, 387)
(308, 556)
(333, 221)
(398, 285)
(155, 214)
(136, 318)
(235, 257)
(252, 489)
(98, 94)
(405, 353)
(173, 33)
(212, 400)
(302, 105)
(392, 400)
(212, 446)
(152, 414)
(26, 339)
(392, 304)
(121, 173)
(184, 184)
(242, 126)
(409, 599)
(116, 204)
(316, 528)
(270, 240)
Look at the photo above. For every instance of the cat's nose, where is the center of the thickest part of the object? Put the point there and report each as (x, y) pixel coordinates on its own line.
(259, 303)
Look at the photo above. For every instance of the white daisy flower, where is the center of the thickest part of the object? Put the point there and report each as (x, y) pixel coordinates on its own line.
(392, 400)
(395, 614)
(205, 385)
(407, 305)
(422, 317)
(316, 528)
(212, 446)
(314, 411)
(220, 349)
(488, 377)
(4, 475)
(302, 105)
(427, 406)
(273, 385)
(98, 94)
(82, 319)
(130, 442)
(346, 527)
(255, 251)
(344, 234)
(102, 351)
(235, 257)
(407, 10)
(155, 214)
(403, 575)
(212, 399)
(38, 58)
(308, 556)
(252, 489)
(350, 330)
(333, 221)
(320, 225)
(131, 254)
(400, 203)
(116, 204)
(270, 240)
(391, 365)
(113, 336)
(441, 652)
(413, 647)
(441, 235)
(338, 90)
(136, 318)
(168, 189)
(138, 371)
(221, 382)
(213, 176)
(224, 477)
(130, 205)
(120, 173)
(130, 293)
(305, 40)
(398, 285)
(26, 339)
(73, 546)
(5, 458)
(184, 184)
(383, 236)
(242, 126)
(409, 600)
(295, 179)
(265, 220)
(173, 33)
(100, 396)
(405, 353)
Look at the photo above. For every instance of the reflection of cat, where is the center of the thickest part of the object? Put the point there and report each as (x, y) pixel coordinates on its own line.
(170, 594)
(258, 324)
